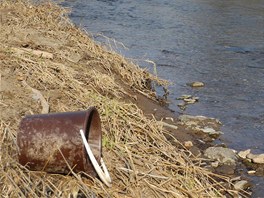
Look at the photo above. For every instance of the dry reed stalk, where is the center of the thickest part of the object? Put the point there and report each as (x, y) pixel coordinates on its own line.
(140, 159)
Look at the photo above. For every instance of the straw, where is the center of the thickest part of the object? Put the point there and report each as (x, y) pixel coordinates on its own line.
(82, 73)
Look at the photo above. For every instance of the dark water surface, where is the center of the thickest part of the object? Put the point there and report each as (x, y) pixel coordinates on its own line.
(220, 43)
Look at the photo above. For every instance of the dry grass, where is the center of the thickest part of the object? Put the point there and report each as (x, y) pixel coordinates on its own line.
(82, 73)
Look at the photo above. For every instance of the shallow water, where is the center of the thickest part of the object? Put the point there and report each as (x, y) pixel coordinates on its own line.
(220, 43)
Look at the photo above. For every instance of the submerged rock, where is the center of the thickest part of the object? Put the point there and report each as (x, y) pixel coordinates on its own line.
(189, 101)
(186, 118)
(182, 106)
(223, 155)
(196, 84)
(241, 185)
(184, 97)
(205, 127)
(209, 131)
(197, 119)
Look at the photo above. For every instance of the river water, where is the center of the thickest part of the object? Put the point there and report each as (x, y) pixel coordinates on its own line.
(220, 43)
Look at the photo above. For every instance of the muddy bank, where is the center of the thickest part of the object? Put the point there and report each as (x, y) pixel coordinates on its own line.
(49, 65)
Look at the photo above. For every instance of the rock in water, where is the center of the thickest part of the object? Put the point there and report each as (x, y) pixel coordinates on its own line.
(197, 119)
(251, 172)
(258, 159)
(197, 84)
(243, 154)
(223, 155)
(189, 100)
(241, 185)
(209, 131)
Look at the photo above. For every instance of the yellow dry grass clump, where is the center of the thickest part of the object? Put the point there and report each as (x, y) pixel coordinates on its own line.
(40, 48)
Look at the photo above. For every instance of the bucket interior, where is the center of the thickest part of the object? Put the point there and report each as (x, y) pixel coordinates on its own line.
(93, 134)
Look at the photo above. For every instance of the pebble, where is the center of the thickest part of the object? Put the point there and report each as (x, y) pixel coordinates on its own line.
(251, 172)
(182, 106)
(241, 185)
(188, 144)
(169, 118)
(189, 100)
(243, 154)
(197, 84)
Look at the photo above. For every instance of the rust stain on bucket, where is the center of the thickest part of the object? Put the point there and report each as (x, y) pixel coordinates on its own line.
(40, 139)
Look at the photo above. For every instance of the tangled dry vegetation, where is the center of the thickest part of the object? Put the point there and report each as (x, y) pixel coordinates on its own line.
(42, 52)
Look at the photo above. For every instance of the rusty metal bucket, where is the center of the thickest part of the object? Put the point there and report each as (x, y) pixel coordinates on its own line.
(47, 141)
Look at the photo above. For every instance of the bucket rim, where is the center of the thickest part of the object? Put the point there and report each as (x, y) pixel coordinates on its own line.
(91, 116)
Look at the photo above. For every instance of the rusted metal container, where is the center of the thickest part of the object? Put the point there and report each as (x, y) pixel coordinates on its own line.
(45, 141)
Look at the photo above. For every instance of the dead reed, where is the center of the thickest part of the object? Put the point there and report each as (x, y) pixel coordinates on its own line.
(81, 73)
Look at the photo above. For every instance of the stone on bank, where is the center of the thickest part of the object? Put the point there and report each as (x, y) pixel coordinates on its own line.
(223, 155)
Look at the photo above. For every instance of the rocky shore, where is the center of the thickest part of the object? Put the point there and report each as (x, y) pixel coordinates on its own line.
(49, 65)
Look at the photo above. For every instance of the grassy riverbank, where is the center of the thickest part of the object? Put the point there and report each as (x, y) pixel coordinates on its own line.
(40, 49)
